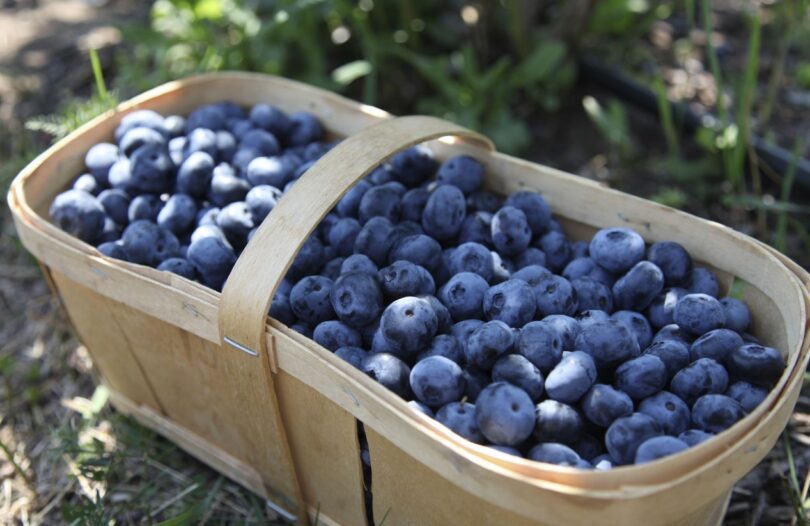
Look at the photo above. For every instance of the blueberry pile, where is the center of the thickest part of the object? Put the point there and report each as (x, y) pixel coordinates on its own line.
(477, 310)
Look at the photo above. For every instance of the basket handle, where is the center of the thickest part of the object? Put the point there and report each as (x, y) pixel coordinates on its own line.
(263, 264)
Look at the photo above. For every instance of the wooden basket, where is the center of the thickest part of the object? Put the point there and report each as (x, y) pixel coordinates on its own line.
(277, 413)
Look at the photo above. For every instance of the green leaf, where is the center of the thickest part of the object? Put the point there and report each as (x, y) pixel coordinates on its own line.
(348, 73)
(539, 64)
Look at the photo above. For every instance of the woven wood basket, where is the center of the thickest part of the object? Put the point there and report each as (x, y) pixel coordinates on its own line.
(276, 412)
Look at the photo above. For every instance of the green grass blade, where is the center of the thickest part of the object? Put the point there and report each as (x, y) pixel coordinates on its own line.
(787, 187)
(665, 114)
(714, 62)
(98, 75)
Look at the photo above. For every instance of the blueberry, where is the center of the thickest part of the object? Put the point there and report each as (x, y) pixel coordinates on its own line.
(422, 408)
(533, 275)
(309, 259)
(444, 212)
(693, 437)
(571, 377)
(304, 128)
(446, 345)
(517, 370)
(343, 234)
(472, 257)
(405, 229)
(554, 295)
(110, 232)
(413, 204)
(236, 220)
(661, 309)
(225, 187)
(637, 324)
(230, 109)
(501, 268)
(420, 249)
(603, 404)
(281, 309)
(672, 332)
(239, 127)
(177, 149)
(673, 260)
(87, 183)
(566, 326)
(146, 243)
(609, 343)
(147, 118)
(356, 298)
(638, 287)
(701, 377)
(475, 382)
(557, 422)
(381, 175)
(579, 249)
(717, 345)
(389, 371)
(511, 302)
(410, 323)
(592, 295)
(138, 137)
(484, 201)
(334, 334)
(445, 321)
(201, 140)
(463, 329)
(554, 453)
(671, 413)
(756, 364)
(557, 250)
(208, 231)
(642, 377)
(460, 418)
(213, 258)
(179, 266)
(747, 395)
(380, 345)
(207, 215)
(413, 166)
(626, 434)
(530, 257)
(302, 328)
(211, 117)
(541, 343)
(511, 233)
(591, 316)
(358, 263)
(332, 267)
(617, 249)
(314, 150)
(260, 141)
(79, 214)
(716, 413)
(175, 125)
(352, 355)
(658, 447)
(536, 209)
(463, 295)
(261, 200)
(487, 343)
(274, 171)
(374, 240)
(195, 173)
(585, 267)
(382, 201)
(504, 414)
(270, 118)
(309, 299)
(508, 450)
(588, 447)
(698, 314)
(115, 204)
(673, 353)
(403, 278)
(99, 159)
(178, 214)
(120, 175)
(350, 203)
(151, 170)
(437, 381)
(477, 228)
(704, 281)
(144, 207)
(738, 317)
(113, 250)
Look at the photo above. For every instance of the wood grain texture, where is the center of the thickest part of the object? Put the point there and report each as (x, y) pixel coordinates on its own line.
(263, 264)
(406, 494)
(221, 396)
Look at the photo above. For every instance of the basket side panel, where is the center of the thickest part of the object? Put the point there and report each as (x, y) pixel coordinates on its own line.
(216, 393)
(97, 321)
(323, 440)
(407, 492)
